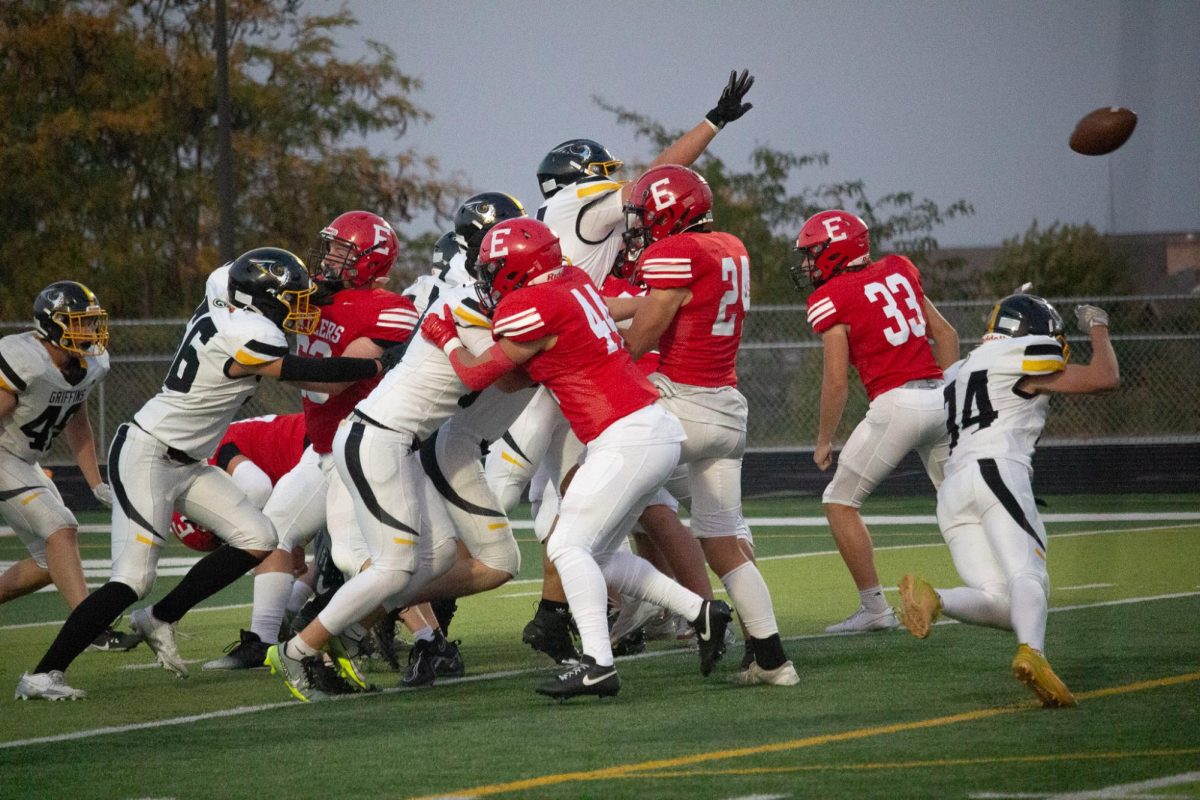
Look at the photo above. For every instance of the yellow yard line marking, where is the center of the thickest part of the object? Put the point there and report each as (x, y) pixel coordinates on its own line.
(796, 744)
(941, 762)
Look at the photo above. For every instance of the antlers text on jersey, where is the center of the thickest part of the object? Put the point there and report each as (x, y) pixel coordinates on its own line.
(330, 331)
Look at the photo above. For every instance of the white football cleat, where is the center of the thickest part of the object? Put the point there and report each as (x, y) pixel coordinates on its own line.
(754, 675)
(46, 686)
(634, 614)
(160, 636)
(863, 620)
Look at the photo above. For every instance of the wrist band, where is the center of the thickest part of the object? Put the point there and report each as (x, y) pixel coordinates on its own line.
(452, 345)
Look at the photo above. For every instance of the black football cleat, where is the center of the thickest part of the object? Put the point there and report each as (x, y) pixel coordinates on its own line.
(549, 632)
(715, 616)
(586, 677)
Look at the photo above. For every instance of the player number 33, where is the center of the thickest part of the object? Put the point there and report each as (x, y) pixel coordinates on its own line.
(887, 292)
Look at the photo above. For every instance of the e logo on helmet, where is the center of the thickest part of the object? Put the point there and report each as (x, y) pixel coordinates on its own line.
(833, 226)
(499, 247)
(381, 235)
(662, 197)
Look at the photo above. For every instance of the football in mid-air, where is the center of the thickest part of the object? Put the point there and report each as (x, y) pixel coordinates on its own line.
(1103, 131)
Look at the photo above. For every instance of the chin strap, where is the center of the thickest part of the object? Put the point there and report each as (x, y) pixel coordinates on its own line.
(496, 363)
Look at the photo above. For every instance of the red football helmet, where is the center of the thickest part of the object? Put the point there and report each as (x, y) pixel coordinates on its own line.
(512, 254)
(355, 248)
(829, 243)
(196, 537)
(665, 201)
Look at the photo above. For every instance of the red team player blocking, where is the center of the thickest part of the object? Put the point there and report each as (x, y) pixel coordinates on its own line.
(550, 320)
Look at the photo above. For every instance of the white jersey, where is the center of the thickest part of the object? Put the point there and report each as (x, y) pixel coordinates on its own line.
(421, 392)
(987, 415)
(46, 400)
(428, 288)
(198, 400)
(589, 221)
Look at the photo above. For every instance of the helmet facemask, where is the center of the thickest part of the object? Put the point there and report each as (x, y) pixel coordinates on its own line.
(67, 315)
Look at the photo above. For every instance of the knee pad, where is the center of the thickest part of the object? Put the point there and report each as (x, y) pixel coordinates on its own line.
(503, 555)
(253, 481)
(444, 554)
(1041, 576)
(251, 530)
(140, 584)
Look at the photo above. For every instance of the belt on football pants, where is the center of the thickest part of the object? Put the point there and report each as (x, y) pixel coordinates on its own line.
(924, 383)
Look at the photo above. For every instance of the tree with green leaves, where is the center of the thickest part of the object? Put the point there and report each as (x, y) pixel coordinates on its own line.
(764, 209)
(1060, 261)
(108, 142)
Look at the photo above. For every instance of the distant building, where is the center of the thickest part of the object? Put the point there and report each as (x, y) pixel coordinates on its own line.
(1159, 263)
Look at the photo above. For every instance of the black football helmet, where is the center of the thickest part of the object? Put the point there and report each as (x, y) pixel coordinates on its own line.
(572, 160)
(444, 249)
(68, 315)
(1025, 315)
(476, 217)
(275, 283)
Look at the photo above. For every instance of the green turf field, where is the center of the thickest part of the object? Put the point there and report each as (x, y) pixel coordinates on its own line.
(876, 715)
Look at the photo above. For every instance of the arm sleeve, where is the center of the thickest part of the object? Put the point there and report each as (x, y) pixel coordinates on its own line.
(327, 370)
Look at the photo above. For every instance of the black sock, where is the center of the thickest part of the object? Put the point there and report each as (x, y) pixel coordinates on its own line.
(768, 652)
(443, 609)
(552, 607)
(210, 575)
(89, 619)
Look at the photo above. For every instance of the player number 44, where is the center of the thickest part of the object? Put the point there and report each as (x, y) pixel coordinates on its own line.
(599, 320)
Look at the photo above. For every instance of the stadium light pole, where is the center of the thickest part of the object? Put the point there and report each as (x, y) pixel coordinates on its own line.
(224, 139)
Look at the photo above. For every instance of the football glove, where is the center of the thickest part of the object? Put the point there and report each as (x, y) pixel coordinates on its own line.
(1024, 288)
(441, 330)
(103, 492)
(730, 106)
(1090, 316)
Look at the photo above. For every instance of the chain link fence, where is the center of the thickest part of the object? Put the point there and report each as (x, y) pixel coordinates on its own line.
(1157, 339)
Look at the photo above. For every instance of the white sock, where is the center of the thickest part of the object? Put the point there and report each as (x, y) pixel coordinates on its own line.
(296, 648)
(977, 606)
(873, 600)
(750, 596)
(301, 592)
(587, 596)
(424, 635)
(1028, 610)
(271, 593)
(361, 595)
(635, 576)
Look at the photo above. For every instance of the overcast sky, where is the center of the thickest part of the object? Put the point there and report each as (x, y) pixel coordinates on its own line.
(949, 100)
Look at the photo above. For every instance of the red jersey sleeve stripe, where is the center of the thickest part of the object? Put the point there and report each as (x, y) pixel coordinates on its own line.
(820, 310)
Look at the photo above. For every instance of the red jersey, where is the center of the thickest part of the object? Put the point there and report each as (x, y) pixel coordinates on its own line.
(274, 443)
(588, 369)
(619, 287)
(353, 314)
(883, 306)
(700, 346)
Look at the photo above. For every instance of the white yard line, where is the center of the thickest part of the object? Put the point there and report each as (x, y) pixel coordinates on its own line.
(1085, 586)
(489, 676)
(1127, 790)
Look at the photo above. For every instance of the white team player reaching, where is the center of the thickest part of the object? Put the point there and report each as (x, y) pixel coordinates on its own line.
(997, 399)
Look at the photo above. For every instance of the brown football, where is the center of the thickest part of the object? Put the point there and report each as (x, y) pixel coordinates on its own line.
(1102, 131)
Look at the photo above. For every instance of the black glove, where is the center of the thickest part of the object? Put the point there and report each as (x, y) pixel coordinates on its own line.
(730, 106)
(391, 356)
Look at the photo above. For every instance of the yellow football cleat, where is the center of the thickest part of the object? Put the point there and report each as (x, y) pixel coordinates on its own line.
(1031, 668)
(920, 605)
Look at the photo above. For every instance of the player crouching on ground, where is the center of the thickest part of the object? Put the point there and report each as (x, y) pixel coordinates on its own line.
(996, 404)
